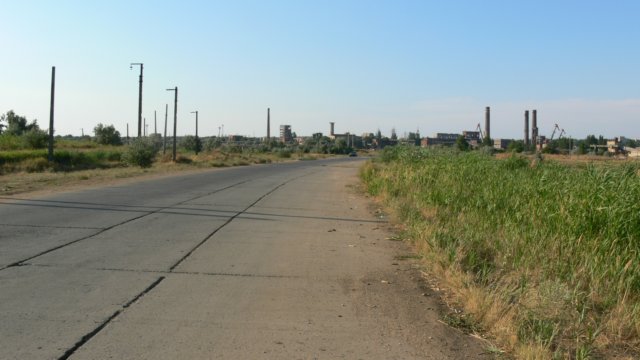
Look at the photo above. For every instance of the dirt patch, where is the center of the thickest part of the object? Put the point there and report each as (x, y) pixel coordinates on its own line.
(408, 303)
(29, 185)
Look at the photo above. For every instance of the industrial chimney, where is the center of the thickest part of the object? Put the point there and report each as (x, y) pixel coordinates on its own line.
(268, 124)
(526, 129)
(534, 129)
(487, 122)
(332, 128)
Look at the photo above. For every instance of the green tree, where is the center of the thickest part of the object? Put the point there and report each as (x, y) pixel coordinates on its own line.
(16, 124)
(487, 141)
(107, 135)
(415, 138)
(462, 144)
(192, 143)
(340, 147)
(591, 140)
(516, 146)
(582, 148)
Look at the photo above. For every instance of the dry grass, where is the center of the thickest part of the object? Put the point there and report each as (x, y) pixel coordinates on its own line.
(21, 181)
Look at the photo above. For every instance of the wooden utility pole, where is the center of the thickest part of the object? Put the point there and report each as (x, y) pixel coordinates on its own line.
(139, 98)
(175, 120)
(164, 142)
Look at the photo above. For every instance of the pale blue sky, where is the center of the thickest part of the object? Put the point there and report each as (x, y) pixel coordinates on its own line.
(428, 65)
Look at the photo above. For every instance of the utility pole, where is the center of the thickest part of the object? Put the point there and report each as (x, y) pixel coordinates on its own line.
(197, 143)
(139, 98)
(164, 142)
(53, 91)
(175, 120)
(155, 123)
(144, 128)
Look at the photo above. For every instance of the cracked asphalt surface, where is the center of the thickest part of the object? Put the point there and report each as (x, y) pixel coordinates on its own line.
(262, 262)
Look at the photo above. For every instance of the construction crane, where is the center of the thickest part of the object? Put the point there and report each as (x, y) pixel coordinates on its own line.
(479, 129)
(556, 128)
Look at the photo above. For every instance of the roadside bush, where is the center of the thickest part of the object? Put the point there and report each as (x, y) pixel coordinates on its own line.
(141, 153)
(212, 144)
(36, 139)
(284, 153)
(192, 143)
(10, 142)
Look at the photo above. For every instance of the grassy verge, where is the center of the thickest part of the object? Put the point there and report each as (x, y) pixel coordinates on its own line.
(28, 170)
(544, 256)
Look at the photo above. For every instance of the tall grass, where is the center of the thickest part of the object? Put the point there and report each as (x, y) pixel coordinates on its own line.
(63, 160)
(554, 249)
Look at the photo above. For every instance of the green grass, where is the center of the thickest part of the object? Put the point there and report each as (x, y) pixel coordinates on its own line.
(63, 160)
(559, 245)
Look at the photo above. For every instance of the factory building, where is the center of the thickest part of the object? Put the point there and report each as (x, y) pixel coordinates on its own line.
(285, 134)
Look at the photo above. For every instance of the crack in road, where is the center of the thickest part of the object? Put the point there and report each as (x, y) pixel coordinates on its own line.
(53, 226)
(97, 330)
(233, 218)
(166, 272)
(101, 230)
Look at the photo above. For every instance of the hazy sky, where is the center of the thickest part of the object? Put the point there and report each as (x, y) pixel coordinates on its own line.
(366, 65)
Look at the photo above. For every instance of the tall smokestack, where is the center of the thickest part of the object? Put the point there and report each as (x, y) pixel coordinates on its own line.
(534, 129)
(332, 127)
(487, 122)
(268, 124)
(526, 129)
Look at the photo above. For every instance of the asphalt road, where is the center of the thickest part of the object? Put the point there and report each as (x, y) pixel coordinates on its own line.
(282, 261)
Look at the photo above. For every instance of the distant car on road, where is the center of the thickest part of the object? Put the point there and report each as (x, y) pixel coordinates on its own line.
(353, 154)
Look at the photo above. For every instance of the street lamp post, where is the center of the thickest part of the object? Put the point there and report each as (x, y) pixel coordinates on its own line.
(197, 142)
(139, 98)
(175, 119)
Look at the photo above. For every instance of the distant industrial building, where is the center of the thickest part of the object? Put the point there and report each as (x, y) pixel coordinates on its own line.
(351, 139)
(501, 144)
(439, 139)
(285, 134)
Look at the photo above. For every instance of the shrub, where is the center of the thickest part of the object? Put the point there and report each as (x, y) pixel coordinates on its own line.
(212, 144)
(284, 153)
(141, 153)
(36, 139)
(192, 143)
(10, 142)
